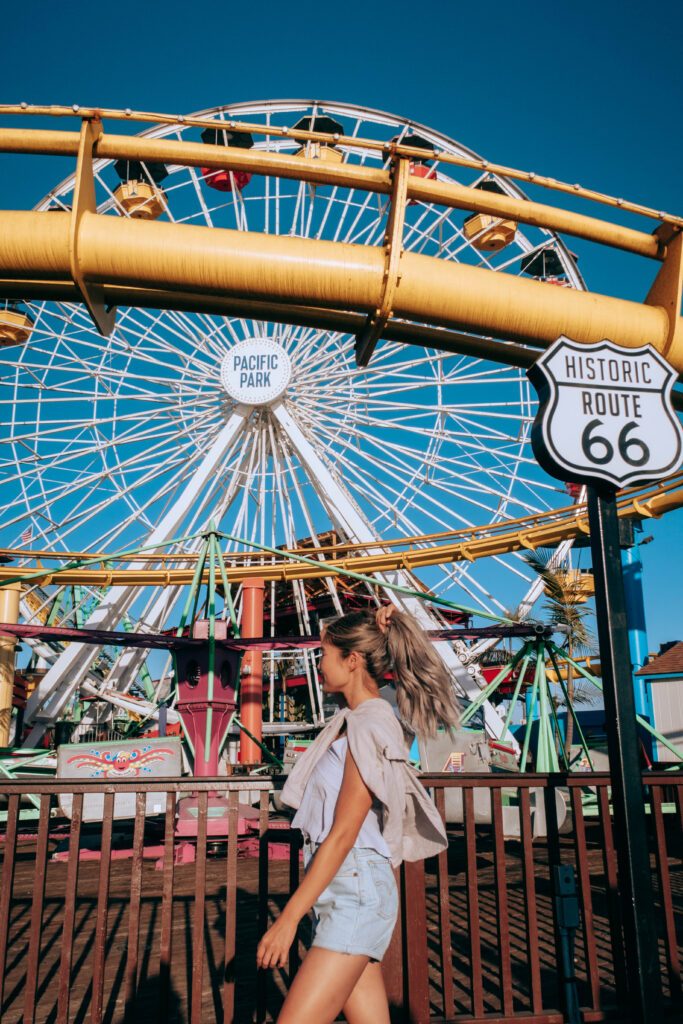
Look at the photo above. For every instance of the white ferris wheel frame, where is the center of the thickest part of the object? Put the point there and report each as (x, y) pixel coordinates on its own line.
(284, 435)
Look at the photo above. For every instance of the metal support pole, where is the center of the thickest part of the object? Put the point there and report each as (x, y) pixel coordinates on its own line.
(632, 567)
(252, 672)
(9, 612)
(637, 634)
(568, 922)
(633, 859)
(532, 712)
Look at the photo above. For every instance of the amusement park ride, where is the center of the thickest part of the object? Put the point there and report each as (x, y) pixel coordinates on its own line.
(197, 397)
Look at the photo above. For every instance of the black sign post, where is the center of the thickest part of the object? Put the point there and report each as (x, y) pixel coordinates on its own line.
(630, 828)
(605, 419)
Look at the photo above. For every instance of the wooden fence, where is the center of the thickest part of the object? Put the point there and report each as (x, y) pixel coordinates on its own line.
(111, 921)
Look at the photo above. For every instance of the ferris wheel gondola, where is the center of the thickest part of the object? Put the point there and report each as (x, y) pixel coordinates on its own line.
(140, 437)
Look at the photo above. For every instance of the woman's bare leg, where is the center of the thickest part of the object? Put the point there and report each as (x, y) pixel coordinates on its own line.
(368, 1003)
(322, 986)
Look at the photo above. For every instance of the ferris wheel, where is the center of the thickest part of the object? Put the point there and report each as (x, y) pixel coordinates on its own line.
(271, 430)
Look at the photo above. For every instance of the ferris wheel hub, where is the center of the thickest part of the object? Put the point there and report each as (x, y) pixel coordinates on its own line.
(256, 371)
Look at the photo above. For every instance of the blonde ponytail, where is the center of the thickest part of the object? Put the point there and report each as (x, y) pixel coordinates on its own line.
(424, 691)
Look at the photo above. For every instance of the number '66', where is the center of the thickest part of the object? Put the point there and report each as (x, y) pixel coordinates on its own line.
(633, 451)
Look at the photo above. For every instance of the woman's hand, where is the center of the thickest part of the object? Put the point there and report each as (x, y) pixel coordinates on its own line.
(273, 949)
(353, 803)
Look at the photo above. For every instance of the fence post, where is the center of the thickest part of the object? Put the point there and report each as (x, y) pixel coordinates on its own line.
(415, 965)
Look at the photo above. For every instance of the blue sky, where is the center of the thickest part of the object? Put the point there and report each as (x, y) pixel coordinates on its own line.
(584, 93)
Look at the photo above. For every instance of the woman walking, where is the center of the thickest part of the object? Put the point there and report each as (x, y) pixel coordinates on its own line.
(362, 812)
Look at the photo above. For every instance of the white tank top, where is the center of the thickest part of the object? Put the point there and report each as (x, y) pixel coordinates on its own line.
(316, 811)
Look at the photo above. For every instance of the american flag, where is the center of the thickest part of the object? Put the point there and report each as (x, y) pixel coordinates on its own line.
(27, 535)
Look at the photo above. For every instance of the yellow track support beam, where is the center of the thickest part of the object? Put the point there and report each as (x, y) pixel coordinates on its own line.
(9, 612)
(106, 260)
(126, 253)
(85, 203)
(533, 532)
(347, 175)
(352, 142)
(393, 248)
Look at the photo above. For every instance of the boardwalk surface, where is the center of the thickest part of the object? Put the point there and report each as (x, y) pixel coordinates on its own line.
(147, 1004)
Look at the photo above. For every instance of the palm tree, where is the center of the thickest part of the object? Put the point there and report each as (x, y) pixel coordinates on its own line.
(565, 608)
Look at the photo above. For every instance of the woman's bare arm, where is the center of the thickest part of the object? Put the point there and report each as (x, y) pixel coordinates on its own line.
(353, 803)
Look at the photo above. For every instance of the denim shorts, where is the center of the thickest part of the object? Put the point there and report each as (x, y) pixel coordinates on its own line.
(357, 911)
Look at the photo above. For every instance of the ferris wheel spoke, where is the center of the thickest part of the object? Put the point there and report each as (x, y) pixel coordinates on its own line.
(417, 239)
(302, 504)
(395, 359)
(372, 476)
(38, 602)
(418, 236)
(194, 178)
(210, 339)
(358, 428)
(213, 499)
(136, 516)
(167, 331)
(297, 214)
(312, 192)
(346, 204)
(464, 468)
(238, 206)
(343, 512)
(285, 468)
(503, 472)
(355, 231)
(71, 667)
(455, 376)
(81, 432)
(331, 203)
(155, 353)
(301, 605)
(324, 344)
(371, 234)
(497, 490)
(409, 489)
(222, 502)
(460, 245)
(103, 437)
(362, 427)
(118, 443)
(411, 411)
(397, 381)
(282, 494)
(138, 511)
(484, 377)
(249, 449)
(253, 489)
(481, 595)
(41, 508)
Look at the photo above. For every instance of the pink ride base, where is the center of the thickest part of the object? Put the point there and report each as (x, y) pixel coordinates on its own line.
(217, 828)
(184, 849)
(216, 819)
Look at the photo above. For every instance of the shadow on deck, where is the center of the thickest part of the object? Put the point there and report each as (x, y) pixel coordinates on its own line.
(139, 940)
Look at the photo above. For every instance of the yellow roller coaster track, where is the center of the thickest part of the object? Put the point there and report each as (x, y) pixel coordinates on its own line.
(542, 530)
(372, 291)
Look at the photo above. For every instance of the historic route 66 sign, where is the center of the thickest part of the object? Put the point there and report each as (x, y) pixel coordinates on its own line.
(605, 414)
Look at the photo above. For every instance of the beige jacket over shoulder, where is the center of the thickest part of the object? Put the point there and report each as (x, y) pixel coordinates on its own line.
(411, 824)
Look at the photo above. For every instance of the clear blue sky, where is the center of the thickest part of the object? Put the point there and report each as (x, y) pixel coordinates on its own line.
(587, 92)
